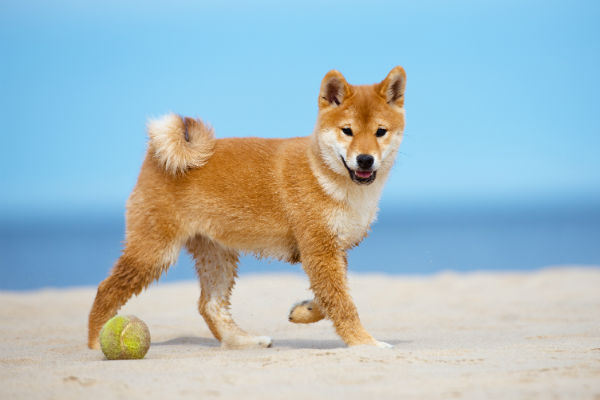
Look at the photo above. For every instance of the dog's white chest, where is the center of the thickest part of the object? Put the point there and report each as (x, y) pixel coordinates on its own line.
(350, 221)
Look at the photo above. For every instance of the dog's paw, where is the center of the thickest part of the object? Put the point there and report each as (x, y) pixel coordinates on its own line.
(94, 345)
(383, 345)
(263, 341)
(246, 342)
(371, 344)
(305, 312)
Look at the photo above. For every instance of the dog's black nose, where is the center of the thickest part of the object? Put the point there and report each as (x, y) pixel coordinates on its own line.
(365, 161)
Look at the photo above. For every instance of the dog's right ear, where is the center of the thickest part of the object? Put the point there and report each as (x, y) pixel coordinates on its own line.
(392, 87)
(334, 89)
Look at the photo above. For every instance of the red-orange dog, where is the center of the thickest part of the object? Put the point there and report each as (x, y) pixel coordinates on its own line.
(307, 200)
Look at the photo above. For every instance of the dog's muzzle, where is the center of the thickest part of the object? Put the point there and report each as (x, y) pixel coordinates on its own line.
(360, 176)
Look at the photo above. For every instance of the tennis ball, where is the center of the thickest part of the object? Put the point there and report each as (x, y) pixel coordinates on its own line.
(124, 338)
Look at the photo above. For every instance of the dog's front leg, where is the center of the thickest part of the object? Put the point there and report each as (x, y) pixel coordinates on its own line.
(325, 266)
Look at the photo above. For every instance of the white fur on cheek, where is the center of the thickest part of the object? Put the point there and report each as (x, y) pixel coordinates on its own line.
(391, 148)
(388, 154)
(331, 149)
(377, 162)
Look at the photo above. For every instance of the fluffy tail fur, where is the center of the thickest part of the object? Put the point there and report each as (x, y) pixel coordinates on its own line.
(179, 143)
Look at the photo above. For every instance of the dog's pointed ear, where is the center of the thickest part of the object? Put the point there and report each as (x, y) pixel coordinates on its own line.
(334, 89)
(392, 87)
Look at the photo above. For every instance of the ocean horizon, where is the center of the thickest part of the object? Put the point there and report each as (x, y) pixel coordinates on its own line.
(66, 250)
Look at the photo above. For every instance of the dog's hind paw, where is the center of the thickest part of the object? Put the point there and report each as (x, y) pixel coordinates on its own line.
(264, 341)
(245, 342)
(383, 345)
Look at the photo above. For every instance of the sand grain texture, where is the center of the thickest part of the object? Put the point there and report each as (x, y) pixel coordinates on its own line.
(476, 335)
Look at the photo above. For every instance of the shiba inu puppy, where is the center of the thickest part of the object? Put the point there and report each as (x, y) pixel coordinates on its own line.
(306, 200)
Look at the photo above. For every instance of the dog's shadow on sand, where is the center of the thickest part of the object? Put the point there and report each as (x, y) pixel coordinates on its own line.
(277, 343)
(189, 340)
(321, 344)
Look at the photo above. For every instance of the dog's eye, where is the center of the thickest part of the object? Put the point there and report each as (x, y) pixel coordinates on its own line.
(380, 132)
(347, 131)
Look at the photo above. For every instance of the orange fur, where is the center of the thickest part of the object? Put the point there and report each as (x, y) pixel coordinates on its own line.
(290, 199)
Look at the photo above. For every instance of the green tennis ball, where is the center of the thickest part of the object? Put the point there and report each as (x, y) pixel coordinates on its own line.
(124, 338)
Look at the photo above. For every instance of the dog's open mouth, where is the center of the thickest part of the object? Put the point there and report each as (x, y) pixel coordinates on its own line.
(363, 177)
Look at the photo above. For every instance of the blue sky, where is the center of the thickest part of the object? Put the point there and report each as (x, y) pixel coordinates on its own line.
(502, 97)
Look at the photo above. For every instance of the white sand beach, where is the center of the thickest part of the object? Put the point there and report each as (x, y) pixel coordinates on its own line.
(483, 335)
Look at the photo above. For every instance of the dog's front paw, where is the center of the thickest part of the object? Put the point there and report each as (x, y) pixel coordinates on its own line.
(305, 312)
(371, 343)
(383, 345)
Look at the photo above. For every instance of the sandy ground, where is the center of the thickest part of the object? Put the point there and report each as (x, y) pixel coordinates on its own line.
(476, 335)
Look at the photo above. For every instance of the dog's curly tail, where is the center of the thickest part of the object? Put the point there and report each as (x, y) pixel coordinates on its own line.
(180, 143)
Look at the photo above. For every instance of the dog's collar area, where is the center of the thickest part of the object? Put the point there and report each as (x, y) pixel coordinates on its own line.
(358, 179)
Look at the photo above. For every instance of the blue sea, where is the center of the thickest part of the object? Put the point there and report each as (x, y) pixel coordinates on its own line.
(76, 250)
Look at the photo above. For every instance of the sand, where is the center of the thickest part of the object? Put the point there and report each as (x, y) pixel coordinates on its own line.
(476, 335)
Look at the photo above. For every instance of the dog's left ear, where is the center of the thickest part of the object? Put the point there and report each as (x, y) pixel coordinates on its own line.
(334, 89)
(392, 87)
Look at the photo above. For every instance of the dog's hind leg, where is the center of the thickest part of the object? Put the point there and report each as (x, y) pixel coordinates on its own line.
(305, 312)
(144, 259)
(217, 270)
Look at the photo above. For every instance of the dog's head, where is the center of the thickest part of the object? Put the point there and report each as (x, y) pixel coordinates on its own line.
(359, 128)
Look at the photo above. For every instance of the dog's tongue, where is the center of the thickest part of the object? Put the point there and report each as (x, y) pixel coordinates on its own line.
(363, 174)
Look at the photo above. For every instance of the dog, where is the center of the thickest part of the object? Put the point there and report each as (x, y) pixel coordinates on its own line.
(306, 199)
